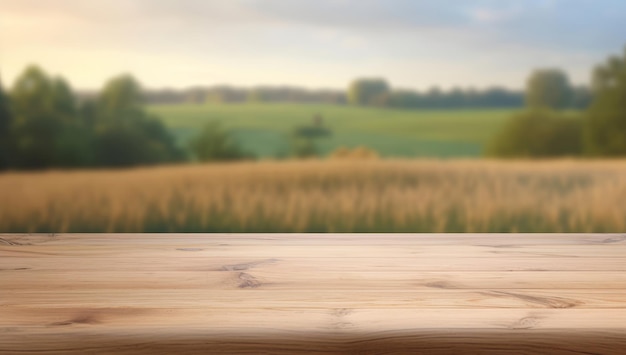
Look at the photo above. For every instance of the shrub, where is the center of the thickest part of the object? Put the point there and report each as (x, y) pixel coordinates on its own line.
(605, 124)
(216, 144)
(538, 134)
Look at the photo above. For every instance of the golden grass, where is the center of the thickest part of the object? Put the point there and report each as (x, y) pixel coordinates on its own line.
(323, 196)
(356, 153)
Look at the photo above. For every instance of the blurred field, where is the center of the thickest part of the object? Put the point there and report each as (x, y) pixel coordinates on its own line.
(264, 128)
(323, 196)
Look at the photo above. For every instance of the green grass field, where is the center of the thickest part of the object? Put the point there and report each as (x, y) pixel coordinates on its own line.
(264, 128)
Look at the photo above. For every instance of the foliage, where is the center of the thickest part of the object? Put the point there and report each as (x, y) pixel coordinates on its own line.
(368, 92)
(304, 148)
(605, 126)
(36, 100)
(88, 112)
(32, 93)
(538, 134)
(304, 137)
(121, 95)
(435, 98)
(138, 142)
(548, 88)
(227, 94)
(63, 100)
(125, 135)
(216, 144)
(51, 129)
(75, 147)
(6, 122)
(582, 97)
(312, 132)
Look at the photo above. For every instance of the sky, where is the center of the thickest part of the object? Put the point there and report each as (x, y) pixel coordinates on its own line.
(414, 44)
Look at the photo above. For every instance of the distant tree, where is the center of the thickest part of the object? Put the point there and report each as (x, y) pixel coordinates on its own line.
(606, 118)
(38, 123)
(88, 112)
(404, 99)
(120, 97)
(164, 97)
(73, 145)
(225, 94)
(51, 128)
(304, 137)
(63, 99)
(123, 146)
(455, 99)
(32, 92)
(258, 94)
(329, 96)
(6, 124)
(125, 135)
(141, 141)
(368, 92)
(228, 94)
(215, 144)
(548, 88)
(498, 97)
(538, 134)
(581, 97)
(471, 98)
(159, 136)
(434, 98)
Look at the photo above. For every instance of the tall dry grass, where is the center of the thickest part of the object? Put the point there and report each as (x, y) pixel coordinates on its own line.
(323, 196)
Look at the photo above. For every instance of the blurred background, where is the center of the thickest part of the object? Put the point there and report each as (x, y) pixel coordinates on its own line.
(326, 116)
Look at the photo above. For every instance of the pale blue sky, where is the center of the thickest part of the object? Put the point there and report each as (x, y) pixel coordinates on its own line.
(322, 43)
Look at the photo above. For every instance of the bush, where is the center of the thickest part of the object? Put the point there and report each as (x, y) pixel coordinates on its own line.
(75, 147)
(311, 132)
(548, 88)
(605, 124)
(215, 144)
(303, 139)
(538, 134)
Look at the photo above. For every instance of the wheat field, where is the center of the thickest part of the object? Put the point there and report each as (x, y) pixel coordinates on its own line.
(323, 196)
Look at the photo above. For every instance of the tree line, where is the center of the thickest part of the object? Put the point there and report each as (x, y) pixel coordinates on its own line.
(228, 94)
(362, 92)
(378, 92)
(547, 129)
(44, 125)
(434, 98)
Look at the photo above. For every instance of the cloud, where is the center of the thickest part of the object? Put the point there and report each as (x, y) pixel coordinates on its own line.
(493, 16)
(564, 23)
(337, 38)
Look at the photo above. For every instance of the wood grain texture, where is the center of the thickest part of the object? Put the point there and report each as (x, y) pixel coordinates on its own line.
(340, 294)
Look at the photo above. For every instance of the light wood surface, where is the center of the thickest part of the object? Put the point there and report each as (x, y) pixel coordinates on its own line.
(326, 293)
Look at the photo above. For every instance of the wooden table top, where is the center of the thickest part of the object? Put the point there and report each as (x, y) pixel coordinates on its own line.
(306, 293)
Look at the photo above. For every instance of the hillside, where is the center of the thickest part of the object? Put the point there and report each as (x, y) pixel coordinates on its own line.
(264, 128)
